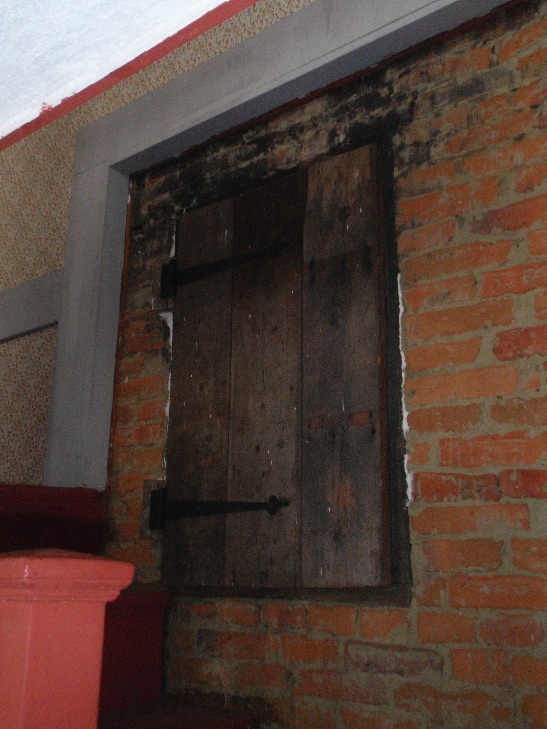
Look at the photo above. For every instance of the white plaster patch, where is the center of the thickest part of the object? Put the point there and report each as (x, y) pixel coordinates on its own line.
(409, 480)
(167, 317)
(51, 50)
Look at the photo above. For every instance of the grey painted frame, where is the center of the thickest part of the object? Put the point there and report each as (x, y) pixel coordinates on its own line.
(321, 43)
(30, 306)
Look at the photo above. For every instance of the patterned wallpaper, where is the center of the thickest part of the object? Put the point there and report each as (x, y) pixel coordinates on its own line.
(34, 201)
(26, 369)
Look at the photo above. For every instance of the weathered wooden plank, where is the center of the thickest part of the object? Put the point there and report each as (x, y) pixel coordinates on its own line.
(344, 520)
(197, 449)
(261, 550)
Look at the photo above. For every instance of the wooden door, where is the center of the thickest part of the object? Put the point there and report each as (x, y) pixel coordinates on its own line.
(278, 385)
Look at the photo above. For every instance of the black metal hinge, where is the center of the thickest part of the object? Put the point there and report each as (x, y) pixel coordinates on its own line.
(163, 509)
(172, 277)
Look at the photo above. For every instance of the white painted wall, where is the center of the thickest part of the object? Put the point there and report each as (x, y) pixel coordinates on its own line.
(51, 49)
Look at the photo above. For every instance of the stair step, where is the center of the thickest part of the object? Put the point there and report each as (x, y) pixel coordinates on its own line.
(174, 713)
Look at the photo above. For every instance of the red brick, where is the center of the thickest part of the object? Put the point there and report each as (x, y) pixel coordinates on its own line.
(282, 617)
(462, 519)
(501, 159)
(532, 94)
(488, 134)
(530, 178)
(127, 484)
(302, 649)
(130, 367)
(446, 354)
(431, 590)
(509, 629)
(442, 487)
(530, 554)
(534, 708)
(445, 628)
(532, 380)
(524, 483)
(418, 454)
(503, 592)
(140, 435)
(124, 413)
(151, 411)
(535, 60)
(397, 660)
(459, 259)
(201, 672)
(358, 718)
(333, 620)
(521, 343)
(148, 458)
(451, 555)
(204, 611)
(266, 677)
(148, 342)
(537, 242)
(235, 612)
(475, 59)
(480, 666)
(134, 553)
(429, 177)
(428, 236)
(450, 201)
(540, 304)
(522, 39)
(515, 280)
(144, 387)
(336, 686)
(444, 419)
(522, 214)
(219, 644)
(458, 320)
(120, 459)
(521, 411)
(497, 667)
(442, 706)
(307, 715)
(129, 532)
(448, 291)
(382, 624)
(464, 385)
(182, 641)
(515, 448)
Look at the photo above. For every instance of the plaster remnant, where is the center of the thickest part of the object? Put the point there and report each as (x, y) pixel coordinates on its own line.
(167, 317)
(404, 410)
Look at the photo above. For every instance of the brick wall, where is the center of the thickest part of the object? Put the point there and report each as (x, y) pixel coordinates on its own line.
(469, 649)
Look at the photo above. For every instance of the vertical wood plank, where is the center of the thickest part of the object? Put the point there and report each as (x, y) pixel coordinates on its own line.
(265, 385)
(344, 519)
(197, 448)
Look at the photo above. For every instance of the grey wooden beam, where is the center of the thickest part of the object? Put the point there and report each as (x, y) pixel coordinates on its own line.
(321, 43)
(30, 306)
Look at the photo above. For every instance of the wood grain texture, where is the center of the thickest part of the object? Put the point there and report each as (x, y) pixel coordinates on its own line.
(343, 516)
(197, 449)
(265, 385)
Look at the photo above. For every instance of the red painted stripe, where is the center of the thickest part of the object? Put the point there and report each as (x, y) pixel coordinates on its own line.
(200, 26)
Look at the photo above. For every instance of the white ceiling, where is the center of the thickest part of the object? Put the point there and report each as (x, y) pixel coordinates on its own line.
(51, 49)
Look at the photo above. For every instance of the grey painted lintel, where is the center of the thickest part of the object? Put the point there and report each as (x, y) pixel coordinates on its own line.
(321, 43)
(30, 306)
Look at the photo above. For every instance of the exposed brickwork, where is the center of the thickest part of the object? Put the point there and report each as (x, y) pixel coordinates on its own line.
(468, 650)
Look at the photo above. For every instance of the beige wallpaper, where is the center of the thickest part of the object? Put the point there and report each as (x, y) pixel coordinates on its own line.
(34, 200)
(26, 368)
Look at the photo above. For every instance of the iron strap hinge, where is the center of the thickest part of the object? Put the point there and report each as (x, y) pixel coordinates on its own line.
(172, 276)
(163, 509)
